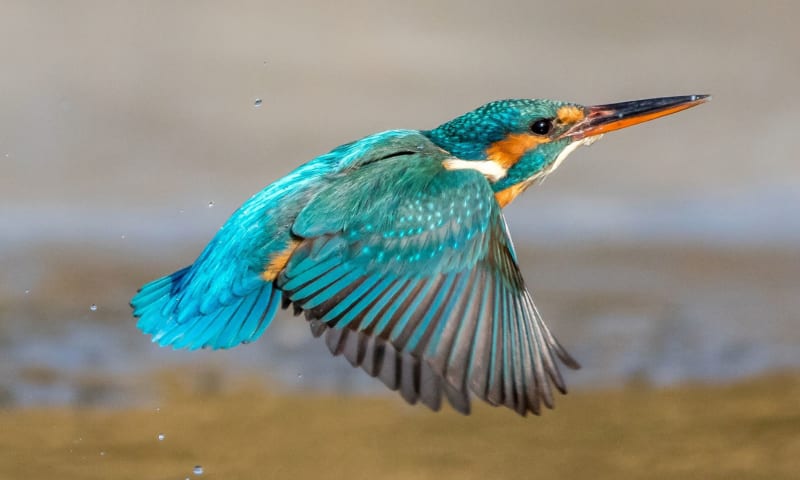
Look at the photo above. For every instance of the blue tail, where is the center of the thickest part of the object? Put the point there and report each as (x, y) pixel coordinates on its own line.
(240, 319)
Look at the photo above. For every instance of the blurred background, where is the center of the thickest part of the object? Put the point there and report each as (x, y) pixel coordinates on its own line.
(666, 255)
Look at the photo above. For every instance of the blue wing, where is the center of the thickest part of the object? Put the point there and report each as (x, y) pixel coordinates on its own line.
(408, 270)
(222, 299)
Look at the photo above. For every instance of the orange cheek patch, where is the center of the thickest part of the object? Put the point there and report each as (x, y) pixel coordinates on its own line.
(504, 197)
(509, 150)
(279, 260)
(570, 114)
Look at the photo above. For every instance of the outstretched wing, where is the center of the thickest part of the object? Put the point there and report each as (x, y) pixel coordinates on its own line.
(408, 270)
(224, 299)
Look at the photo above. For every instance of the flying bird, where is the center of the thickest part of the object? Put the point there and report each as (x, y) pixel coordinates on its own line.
(395, 249)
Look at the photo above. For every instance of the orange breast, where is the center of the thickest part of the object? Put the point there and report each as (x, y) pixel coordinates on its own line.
(504, 197)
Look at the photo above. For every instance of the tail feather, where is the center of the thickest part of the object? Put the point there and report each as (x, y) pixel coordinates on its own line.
(242, 319)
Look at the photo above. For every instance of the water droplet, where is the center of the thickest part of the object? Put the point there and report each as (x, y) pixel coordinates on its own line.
(8, 155)
(161, 437)
(180, 211)
(93, 307)
(299, 376)
(258, 102)
(197, 470)
(27, 291)
(102, 454)
(158, 409)
(211, 204)
(122, 236)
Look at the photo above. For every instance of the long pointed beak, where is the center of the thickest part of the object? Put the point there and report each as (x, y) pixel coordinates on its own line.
(607, 118)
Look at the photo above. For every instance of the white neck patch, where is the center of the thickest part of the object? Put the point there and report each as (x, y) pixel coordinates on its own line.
(488, 168)
(494, 171)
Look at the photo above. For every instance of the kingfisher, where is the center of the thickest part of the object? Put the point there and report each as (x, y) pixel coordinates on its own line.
(395, 249)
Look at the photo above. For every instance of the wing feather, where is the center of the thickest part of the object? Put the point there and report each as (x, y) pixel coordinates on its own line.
(410, 268)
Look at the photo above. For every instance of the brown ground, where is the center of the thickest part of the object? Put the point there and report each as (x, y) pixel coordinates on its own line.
(746, 430)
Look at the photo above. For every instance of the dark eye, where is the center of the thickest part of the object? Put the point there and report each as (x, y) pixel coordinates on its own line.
(541, 126)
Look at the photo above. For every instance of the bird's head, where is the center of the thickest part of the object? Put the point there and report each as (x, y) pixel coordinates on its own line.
(516, 142)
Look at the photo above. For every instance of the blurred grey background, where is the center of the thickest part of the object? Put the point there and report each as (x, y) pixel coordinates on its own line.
(130, 131)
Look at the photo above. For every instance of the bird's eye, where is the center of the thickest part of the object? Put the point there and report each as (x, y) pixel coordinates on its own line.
(541, 126)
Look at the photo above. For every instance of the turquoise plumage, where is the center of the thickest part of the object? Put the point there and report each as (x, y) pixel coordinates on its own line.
(396, 250)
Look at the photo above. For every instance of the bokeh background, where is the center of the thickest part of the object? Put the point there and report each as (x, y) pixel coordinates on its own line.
(665, 257)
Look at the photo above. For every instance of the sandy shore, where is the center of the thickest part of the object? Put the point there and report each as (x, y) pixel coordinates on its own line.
(743, 430)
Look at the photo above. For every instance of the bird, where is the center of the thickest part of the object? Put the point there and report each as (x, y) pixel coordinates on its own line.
(395, 249)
